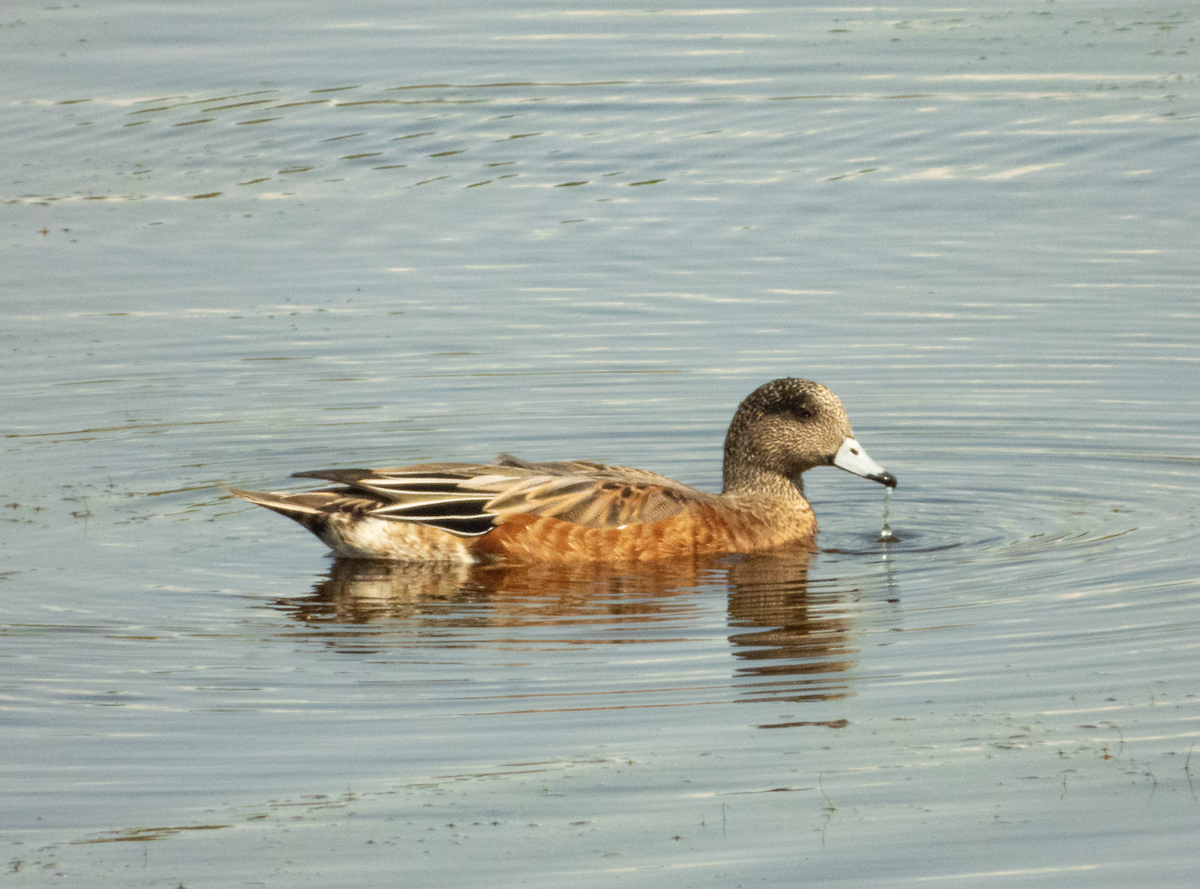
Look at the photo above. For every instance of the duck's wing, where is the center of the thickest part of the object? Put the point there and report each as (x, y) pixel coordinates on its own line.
(440, 495)
(471, 499)
(594, 495)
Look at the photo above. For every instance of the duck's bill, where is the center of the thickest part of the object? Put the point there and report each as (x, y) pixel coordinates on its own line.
(852, 458)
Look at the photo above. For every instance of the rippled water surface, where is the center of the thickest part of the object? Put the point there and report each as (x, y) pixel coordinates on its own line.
(241, 240)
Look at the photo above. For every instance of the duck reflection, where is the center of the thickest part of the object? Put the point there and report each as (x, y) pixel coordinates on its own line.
(797, 644)
(791, 644)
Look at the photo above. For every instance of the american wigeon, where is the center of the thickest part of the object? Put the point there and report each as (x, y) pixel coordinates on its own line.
(512, 510)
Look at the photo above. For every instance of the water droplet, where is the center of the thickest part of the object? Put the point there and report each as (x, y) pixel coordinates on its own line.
(885, 533)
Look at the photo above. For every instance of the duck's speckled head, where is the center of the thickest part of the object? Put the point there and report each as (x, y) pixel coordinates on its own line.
(785, 428)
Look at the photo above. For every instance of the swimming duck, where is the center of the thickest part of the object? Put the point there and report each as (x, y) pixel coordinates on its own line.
(514, 511)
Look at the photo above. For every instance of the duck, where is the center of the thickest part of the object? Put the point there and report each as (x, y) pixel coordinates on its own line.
(515, 511)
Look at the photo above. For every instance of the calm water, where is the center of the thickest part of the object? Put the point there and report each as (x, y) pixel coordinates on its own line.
(245, 240)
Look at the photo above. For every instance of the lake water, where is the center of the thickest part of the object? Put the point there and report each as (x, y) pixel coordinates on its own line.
(241, 240)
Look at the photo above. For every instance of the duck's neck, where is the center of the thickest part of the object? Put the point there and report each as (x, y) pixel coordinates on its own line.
(746, 480)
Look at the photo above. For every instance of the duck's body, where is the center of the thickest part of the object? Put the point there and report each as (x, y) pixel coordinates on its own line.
(511, 510)
(532, 512)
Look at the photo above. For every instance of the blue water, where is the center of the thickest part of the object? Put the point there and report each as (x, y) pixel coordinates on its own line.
(245, 240)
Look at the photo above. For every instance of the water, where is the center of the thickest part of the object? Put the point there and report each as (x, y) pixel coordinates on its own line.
(244, 241)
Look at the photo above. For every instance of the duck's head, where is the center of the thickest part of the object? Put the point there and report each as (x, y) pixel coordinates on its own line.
(787, 427)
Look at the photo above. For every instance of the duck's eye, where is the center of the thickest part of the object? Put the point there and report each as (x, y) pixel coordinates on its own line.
(800, 409)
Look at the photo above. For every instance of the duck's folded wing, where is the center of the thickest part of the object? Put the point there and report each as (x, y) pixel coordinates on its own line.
(472, 498)
(438, 495)
(592, 502)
